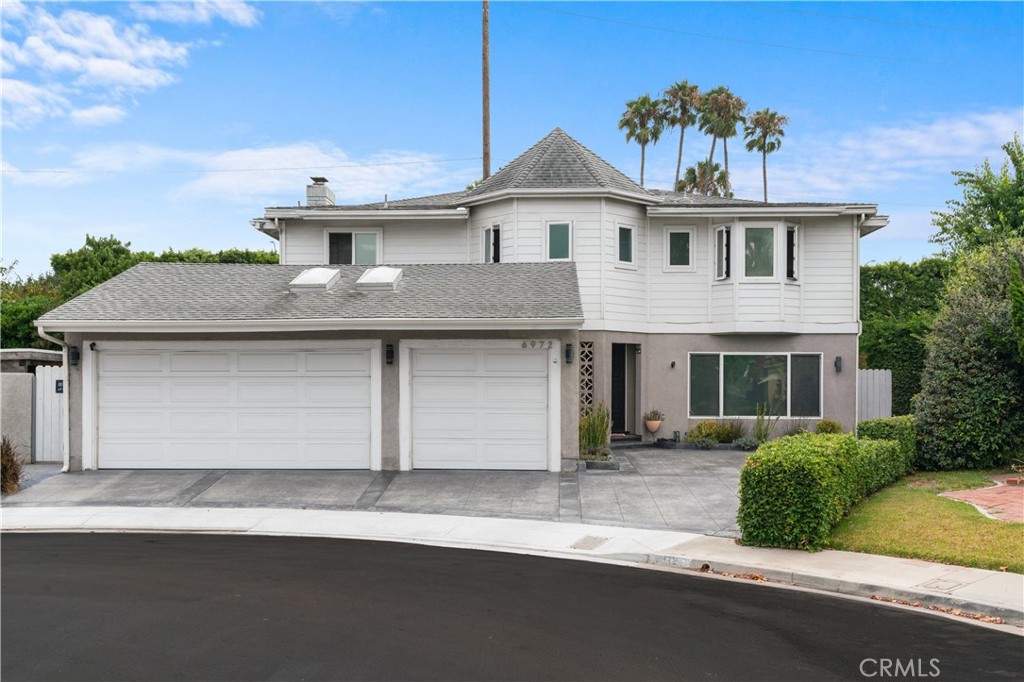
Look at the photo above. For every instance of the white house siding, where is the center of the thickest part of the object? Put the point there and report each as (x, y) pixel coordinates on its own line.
(680, 297)
(625, 287)
(404, 241)
(499, 213)
(827, 272)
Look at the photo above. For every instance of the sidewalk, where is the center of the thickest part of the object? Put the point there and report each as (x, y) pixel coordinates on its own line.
(971, 590)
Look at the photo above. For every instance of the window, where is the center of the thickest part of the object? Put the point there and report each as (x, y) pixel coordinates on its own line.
(792, 246)
(492, 244)
(759, 252)
(678, 249)
(352, 248)
(736, 385)
(624, 247)
(559, 241)
(723, 245)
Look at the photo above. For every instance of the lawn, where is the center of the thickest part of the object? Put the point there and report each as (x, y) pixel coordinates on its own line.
(909, 519)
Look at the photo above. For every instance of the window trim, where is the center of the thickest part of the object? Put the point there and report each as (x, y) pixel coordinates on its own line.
(721, 383)
(723, 256)
(547, 239)
(774, 227)
(375, 231)
(487, 242)
(794, 257)
(673, 229)
(626, 264)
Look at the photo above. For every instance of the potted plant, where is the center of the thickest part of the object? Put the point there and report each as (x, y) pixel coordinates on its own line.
(653, 420)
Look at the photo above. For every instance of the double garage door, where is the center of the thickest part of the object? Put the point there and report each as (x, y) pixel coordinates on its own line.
(272, 408)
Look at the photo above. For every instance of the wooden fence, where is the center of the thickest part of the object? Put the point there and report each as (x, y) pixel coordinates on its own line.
(874, 390)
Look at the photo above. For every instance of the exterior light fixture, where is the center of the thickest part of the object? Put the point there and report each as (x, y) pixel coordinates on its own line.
(568, 353)
(389, 354)
(839, 363)
(73, 356)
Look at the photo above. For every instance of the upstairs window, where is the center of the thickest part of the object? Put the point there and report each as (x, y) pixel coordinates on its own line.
(678, 249)
(723, 247)
(624, 246)
(352, 248)
(492, 244)
(792, 251)
(559, 241)
(759, 252)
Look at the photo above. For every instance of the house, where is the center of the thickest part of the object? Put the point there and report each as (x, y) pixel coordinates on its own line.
(470, 329)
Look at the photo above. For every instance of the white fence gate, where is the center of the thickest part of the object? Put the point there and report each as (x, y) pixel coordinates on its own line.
(874, 388)
(48, 415)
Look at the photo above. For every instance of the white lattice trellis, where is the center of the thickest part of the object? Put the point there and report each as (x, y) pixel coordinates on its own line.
(586, 376)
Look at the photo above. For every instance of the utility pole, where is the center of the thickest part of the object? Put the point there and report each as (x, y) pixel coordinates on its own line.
(487, 90)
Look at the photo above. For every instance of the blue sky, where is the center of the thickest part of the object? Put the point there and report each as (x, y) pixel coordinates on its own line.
(173, 124)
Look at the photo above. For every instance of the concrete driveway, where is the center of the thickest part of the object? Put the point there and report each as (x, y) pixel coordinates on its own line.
(687, 490)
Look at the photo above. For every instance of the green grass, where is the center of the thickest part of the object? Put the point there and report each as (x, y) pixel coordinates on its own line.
(909, 519)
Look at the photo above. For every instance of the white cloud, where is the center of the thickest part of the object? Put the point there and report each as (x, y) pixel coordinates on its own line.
(203, 12)
(24, 103)
(99, 115)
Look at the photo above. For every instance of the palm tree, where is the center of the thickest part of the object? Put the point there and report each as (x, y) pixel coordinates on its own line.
(764, 131)
(682, 102)
(721, 112)
(704, 178)
(643, 120)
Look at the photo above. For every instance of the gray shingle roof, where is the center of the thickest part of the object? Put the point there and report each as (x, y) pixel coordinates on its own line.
(667, 198)
(557, 162)
(439, 201)
(203, 291)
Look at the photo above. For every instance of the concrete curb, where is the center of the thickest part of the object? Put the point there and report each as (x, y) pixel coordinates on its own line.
(989, 593)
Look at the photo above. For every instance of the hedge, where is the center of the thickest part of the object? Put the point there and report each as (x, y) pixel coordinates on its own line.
(794, 490)
(900, 429)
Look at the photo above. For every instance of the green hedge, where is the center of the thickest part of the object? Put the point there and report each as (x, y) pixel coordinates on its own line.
(899, 429)
(794, 490)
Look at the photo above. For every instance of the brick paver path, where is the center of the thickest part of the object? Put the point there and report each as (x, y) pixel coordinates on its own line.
(1001, 501)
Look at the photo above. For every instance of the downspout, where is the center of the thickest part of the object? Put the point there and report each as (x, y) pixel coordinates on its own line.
(65, 435)
(858, 223)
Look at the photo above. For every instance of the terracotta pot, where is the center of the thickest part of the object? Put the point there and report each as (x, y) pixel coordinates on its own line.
(653, 425)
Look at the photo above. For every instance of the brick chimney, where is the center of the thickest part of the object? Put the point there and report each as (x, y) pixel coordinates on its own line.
(319, 194)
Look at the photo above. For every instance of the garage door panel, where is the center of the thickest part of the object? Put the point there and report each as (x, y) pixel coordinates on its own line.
(234, 409)
(445, 454)
(131, 393)
(193, 392)
(445, 362)
(516, 391)
(184, 363)
(512, 425)
(427, 390)
(517, 364)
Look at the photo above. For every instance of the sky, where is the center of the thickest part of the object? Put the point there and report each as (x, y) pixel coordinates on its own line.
(172, 124)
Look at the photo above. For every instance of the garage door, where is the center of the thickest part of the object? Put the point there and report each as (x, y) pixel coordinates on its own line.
(479, 409)
(228, 409)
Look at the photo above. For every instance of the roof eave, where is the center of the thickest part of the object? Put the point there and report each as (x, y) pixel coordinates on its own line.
(363, 214)
(787, 211)
(873, 224)
(281, 325)
(558, 191)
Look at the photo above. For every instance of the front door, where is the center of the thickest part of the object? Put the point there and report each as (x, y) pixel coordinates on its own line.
(623, 387)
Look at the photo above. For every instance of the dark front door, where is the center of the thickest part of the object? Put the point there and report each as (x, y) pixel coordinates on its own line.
(618, 388)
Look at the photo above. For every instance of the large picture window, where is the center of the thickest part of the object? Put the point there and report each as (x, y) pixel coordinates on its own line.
(736, 385)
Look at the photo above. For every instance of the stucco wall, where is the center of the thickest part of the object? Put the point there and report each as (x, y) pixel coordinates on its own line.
(389, 378)
(16, 412)
(665, 387)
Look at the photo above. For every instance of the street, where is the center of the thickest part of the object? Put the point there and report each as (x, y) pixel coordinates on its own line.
(206, 607)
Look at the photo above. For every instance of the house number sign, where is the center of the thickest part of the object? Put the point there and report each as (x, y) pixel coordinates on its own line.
(542, 345)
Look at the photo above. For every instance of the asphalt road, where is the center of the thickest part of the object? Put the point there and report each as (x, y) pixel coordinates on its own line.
(203, 607)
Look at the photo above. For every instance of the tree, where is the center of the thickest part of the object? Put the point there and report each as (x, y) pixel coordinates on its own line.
(970, 412)
(764, 131)
(22, 302)
(682, 103)
(721, 111)
(100, 259)
(992, 208)
(643, 120)
(702, 178)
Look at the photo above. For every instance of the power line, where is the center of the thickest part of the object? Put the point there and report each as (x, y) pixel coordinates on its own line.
(760, 7)
(241, 170)
(778, 46)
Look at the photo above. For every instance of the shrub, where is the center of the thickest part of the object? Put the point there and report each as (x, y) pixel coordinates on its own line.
(10, 467)
(716, 431)
(704, 443)
(794, 427)
(794, 490)
(746, 443)
(970, 412)
(731, 431)
(595, 431)
(900, 429)
(654, 416)
(828, 426)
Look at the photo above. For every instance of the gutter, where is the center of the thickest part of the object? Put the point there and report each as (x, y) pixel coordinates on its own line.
(788, 211)
(324, 324)
(378, 214)
(65, 398)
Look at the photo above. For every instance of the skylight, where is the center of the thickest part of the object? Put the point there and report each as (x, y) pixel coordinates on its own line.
(379, 278)
(315, 279)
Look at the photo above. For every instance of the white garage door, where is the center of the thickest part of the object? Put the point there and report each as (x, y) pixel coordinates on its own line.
(479, 409)
(234, 409)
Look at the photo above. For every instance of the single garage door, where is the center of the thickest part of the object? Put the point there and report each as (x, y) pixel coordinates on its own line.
(479, 408)
(233, 409)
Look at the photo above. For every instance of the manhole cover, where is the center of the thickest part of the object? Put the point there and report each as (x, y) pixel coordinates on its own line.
(942, 585)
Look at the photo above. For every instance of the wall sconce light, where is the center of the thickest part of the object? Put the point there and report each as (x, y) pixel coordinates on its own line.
(73, 356)
(839, 363)
(672, 364)
(389, 354)
(568, 353)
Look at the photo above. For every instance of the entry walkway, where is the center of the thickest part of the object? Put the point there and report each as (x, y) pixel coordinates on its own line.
(683, 490)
